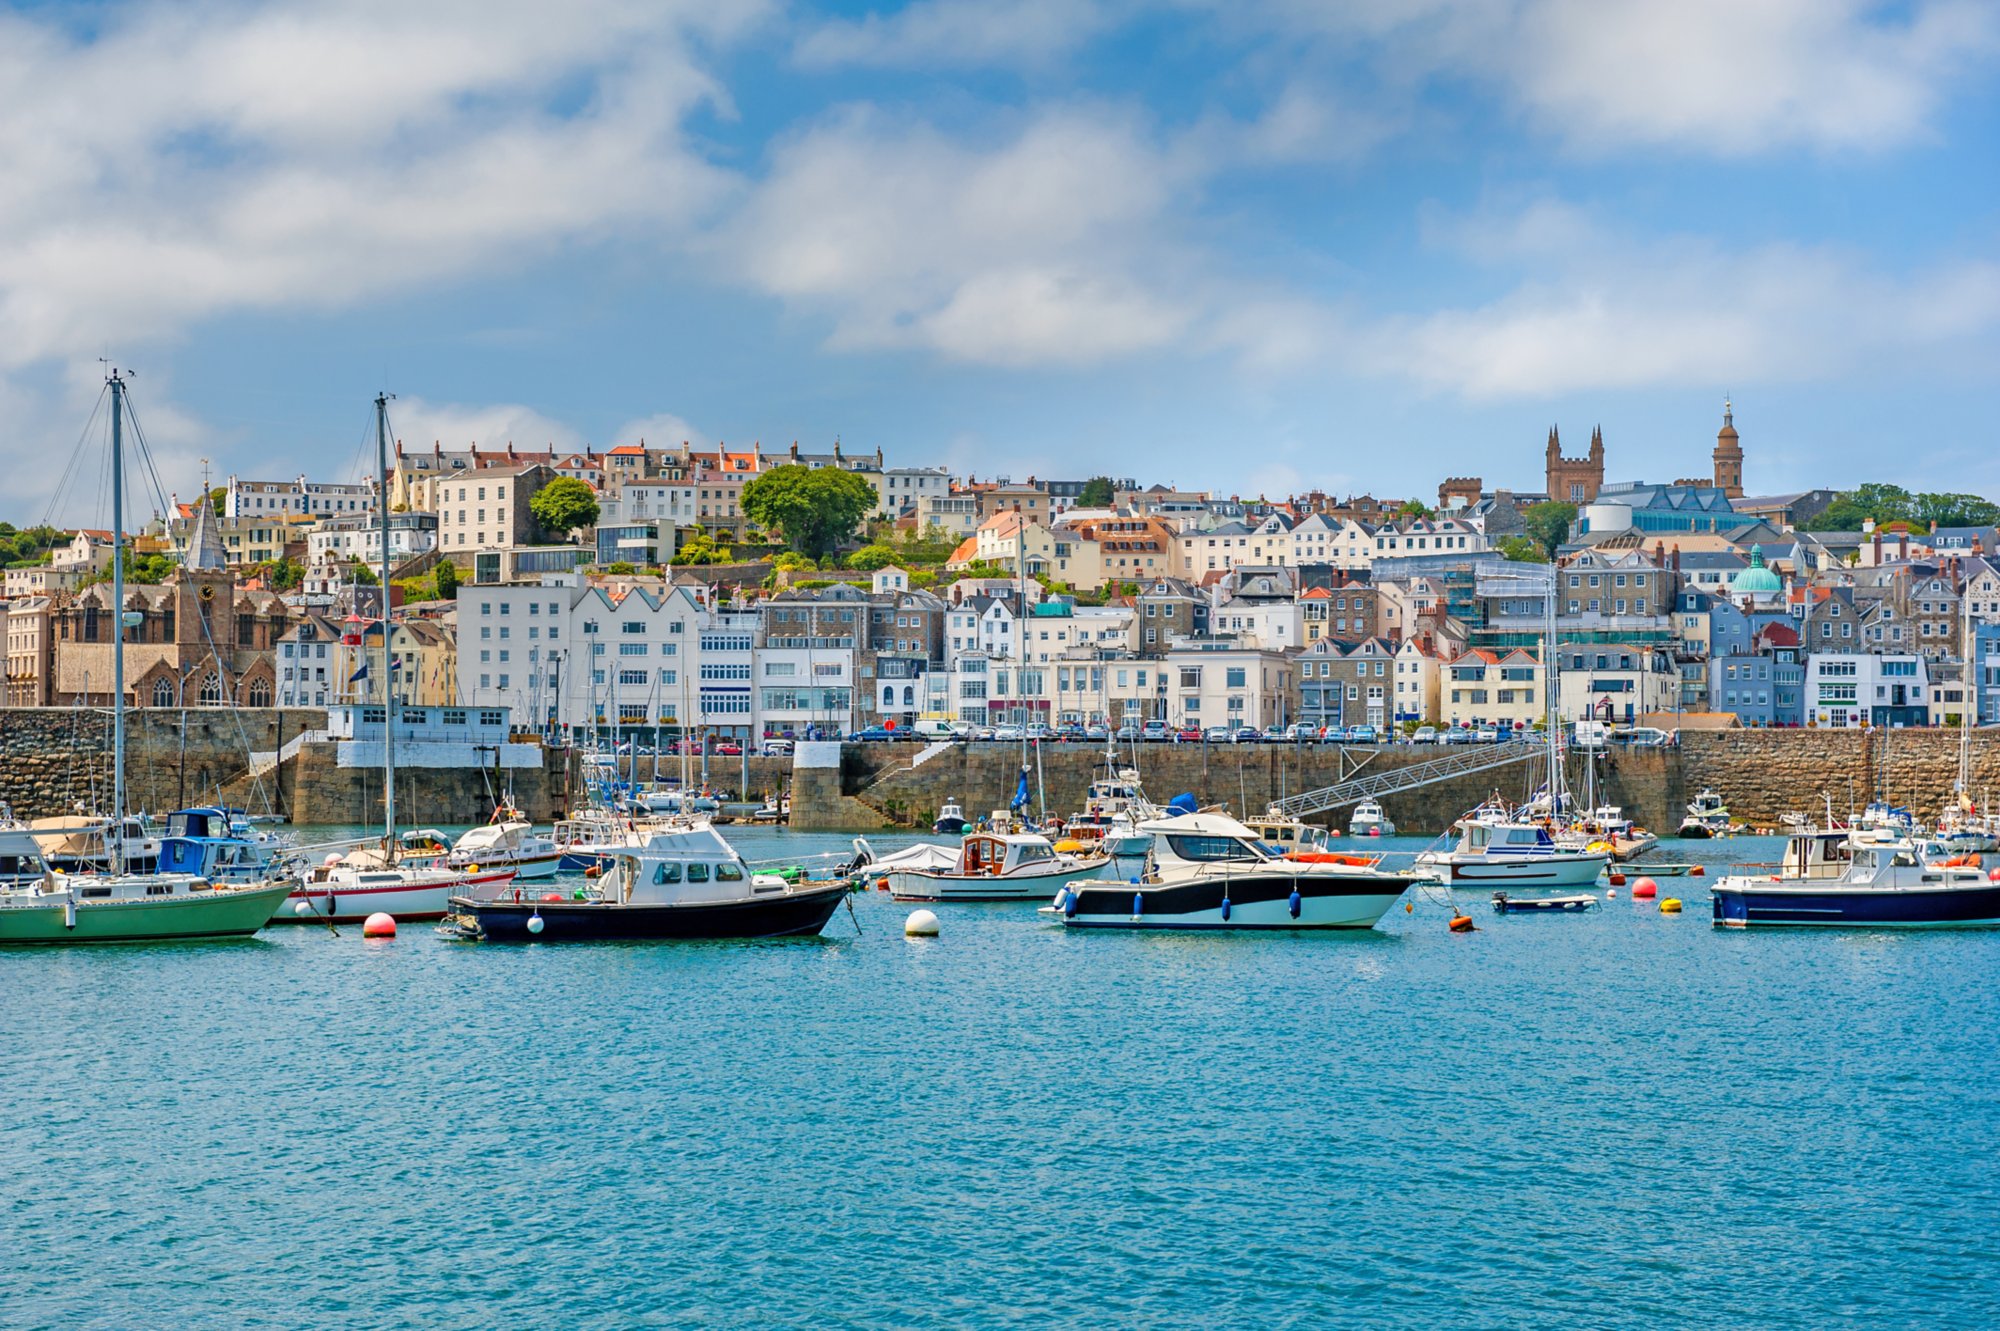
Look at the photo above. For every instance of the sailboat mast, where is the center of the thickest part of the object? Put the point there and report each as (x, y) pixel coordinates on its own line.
(115, 834)
(388, 691)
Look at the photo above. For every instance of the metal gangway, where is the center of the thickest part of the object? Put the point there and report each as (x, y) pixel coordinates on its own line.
(1481, 758)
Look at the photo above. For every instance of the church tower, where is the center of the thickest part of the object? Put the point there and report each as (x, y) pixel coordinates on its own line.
(1728, 456)
(1575, 480)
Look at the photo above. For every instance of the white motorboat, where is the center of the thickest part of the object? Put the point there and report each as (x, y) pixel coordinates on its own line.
(1018, 866)
(1369, 820)
(951, 819)
(1832, 880)
(1281, 834)
(1707, 816)
(1503, 852)
(509, 845)
(1208, 871)
(1113, 808)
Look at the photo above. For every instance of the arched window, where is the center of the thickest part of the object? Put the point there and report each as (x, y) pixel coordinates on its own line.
(211, 691)
(909, 695)
(260, 693)
(163, 692)
(888, 696)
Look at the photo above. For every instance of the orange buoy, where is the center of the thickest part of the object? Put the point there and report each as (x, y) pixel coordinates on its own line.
(1462, 924)
(881, 885)
(379, 925)
(594, 871)
(1645, 889)
(1618, 880)
(1697, 872)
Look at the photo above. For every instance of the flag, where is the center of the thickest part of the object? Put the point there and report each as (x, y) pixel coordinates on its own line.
(1021, 793)
(359, 675)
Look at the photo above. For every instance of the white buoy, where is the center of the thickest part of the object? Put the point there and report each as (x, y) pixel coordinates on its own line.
(535, 924)
(302, 907)
(921, 924)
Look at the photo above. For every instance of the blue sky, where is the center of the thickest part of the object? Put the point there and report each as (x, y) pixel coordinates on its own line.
(1247, 247)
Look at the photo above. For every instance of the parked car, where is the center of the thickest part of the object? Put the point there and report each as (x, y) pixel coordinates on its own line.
(1217, 734)
(875, 735)
(985, 732)
(1128, 732)
(1010, 732)
(1153, 731)
(777, 748)
(1302, 732)
(1458, 735)
(1038, 731)
(1069, 730)
(1188, 735)
(1096, 732)
(729, 748)
(1641, 737)
(1487, 735)
(1248, 735)
(1424, 735)
(1363, 734)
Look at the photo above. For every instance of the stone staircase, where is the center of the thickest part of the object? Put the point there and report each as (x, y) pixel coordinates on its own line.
(263, 762)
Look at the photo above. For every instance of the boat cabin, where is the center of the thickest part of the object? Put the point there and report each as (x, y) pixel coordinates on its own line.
(1283, 836)
(986, 855)
(682, 866)
(21, 860)
(1195, 839)
(1482, 838)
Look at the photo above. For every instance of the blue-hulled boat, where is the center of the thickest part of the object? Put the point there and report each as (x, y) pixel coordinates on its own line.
(1831, 881)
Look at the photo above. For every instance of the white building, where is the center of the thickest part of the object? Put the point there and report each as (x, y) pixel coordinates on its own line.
(342, 540)
(1616, 682)
(301, 497)
(1854, 690)
(1219, 682)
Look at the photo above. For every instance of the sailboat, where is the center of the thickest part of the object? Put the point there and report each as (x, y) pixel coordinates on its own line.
(349, 888)
(117, 906)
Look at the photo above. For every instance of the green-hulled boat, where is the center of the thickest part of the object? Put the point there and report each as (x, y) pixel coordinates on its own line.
(132, 908)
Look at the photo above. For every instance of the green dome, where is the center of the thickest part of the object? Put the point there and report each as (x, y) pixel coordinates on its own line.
(1756, 580)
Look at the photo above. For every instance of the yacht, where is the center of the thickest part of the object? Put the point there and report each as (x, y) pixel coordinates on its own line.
(1208, 871)
(507, 844)
(1831, 880)
(951, 819)
(1498, 849)
(1707, 816)
(1369, 820)
(680, 882)
(1014, 866)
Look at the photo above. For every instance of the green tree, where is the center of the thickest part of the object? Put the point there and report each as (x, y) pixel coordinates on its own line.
(1874, 501)
(361, 575)
(563, 505)
(871, 557)
(793, 562)
(698, 549)
(1549, 523)
(446, 578)
(1523, 550)
(1956, 510)
(623, 568)
(218, 498)
(815, 507)
(286, 574)
(1415, 508)
(1097, 492)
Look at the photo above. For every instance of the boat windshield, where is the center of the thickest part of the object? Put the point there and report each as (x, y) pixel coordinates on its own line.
(1209, 848)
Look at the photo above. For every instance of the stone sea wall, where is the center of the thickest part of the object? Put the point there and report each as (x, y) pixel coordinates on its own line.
(52, 759)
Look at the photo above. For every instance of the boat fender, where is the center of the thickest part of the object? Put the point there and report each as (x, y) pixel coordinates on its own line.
(1994, 876)
(1225, 906)
(535, 925)
(594, 871)
(69, 912)
(1462, 924)
(1293, 903)
(1069, 907)
(1138, 904)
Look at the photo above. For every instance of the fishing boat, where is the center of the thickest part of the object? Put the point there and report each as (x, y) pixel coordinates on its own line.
(1369, 820)
(347, 888)
(1830, 880)
(507, 844)
(118, 906)
(951, 819)
(1495, 847)
(1015, 866)
(1707, 816)
(1209, 871)
(1281, 834)
(207, 842)
(680, 882)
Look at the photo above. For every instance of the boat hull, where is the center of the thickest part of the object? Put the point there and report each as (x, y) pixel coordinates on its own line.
(230, 913)
(1255, 902)
(779, 915)
(420, 901)
(1562, 870)
(916, 885)
(1743, 904)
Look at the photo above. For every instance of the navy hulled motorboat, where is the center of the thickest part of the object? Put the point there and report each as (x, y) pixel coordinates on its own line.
(951, 820)
(1208, 871)
(1829, 880)
(677, 882)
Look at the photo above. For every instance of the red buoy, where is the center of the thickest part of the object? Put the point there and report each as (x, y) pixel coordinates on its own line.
(1618, 880)
(1645, 889)
(379, 925)
(1697, 872)
(552, 896)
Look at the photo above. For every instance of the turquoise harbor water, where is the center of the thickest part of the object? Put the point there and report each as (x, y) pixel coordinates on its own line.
(1612, 1120)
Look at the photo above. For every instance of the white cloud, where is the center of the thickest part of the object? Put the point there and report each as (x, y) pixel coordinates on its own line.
(661, 430)
(419, 424)
(1605, 313)
(1035, 250)
(956, 34)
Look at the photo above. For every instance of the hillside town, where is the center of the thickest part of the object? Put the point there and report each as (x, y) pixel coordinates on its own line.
(756, 595)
